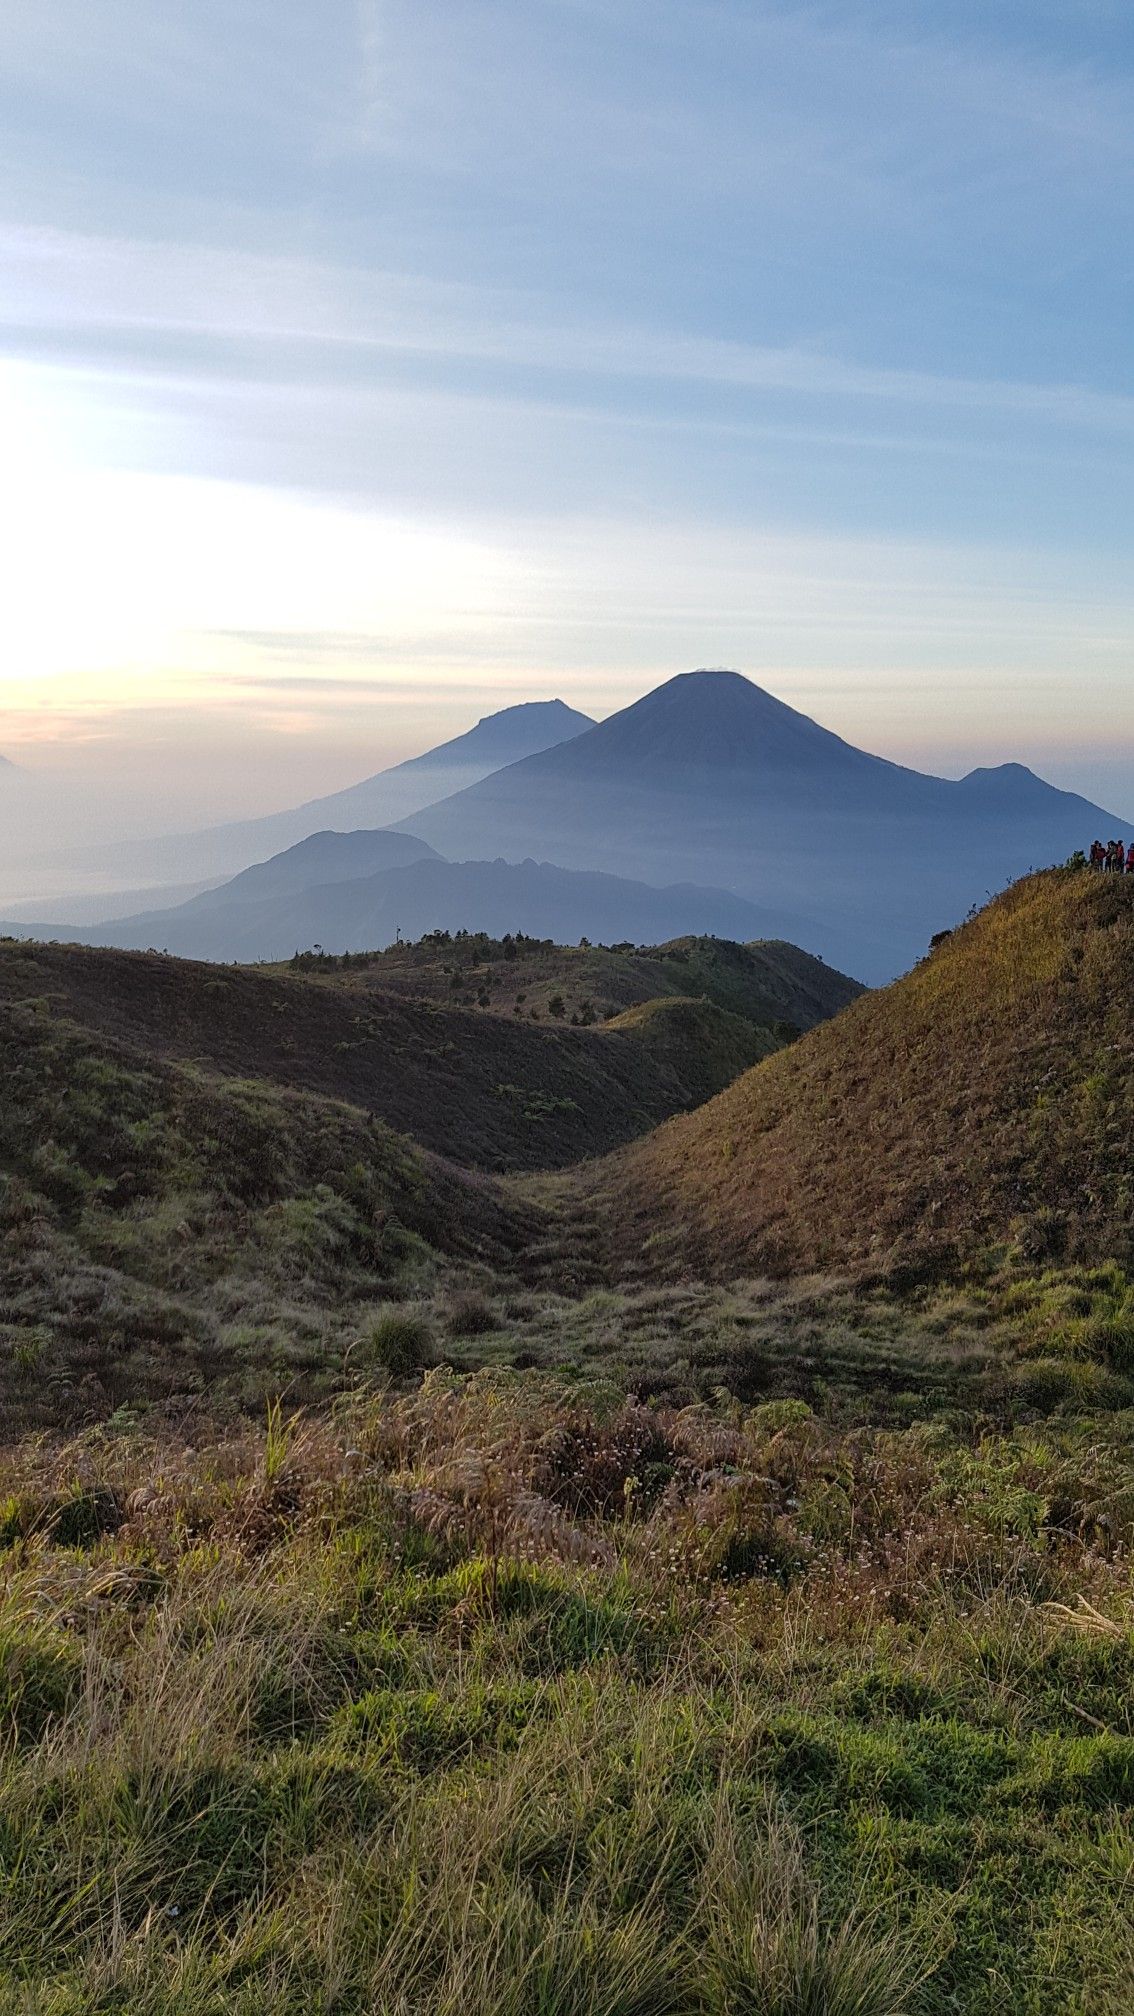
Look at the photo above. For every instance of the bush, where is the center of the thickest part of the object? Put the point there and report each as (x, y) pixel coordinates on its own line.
(471, 1315)
(400, 1343)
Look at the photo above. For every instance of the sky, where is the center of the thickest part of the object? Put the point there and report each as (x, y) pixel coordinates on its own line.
(369, 364)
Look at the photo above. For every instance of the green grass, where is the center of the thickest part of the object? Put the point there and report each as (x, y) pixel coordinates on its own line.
(506, 1695)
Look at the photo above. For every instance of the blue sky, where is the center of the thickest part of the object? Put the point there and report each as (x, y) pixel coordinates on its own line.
(364, 366)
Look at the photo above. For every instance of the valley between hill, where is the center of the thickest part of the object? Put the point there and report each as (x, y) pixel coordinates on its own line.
(691, 1578)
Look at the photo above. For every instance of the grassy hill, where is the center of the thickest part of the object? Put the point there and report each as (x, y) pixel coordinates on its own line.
(164, 1227)
(657, 1646)
(767, 982)
(485, 1092)
(985, 1099)
(217, 1179)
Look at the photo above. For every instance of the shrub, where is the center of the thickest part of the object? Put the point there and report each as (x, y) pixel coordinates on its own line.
(400, 1343)
(471, 1315)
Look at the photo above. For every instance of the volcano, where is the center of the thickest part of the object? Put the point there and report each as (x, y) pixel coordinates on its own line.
(381, 800)
(710, 779)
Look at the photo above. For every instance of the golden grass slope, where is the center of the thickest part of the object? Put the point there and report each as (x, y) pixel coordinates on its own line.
(987, 1097)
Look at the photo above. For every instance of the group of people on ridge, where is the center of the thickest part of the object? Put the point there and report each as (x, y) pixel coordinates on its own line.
(1112, 858)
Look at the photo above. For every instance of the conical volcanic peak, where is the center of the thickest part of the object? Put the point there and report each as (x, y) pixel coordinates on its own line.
(709, 779)
(385, 799)
(713, 720)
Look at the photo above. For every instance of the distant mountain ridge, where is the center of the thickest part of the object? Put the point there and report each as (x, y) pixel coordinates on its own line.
(711, 779)
(381, 800)
(281, 906)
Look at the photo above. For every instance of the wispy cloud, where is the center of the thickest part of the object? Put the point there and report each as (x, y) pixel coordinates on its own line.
(370, 347)
(90, 286)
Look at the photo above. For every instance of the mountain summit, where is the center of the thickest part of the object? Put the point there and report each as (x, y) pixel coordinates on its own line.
(721, 721)
(384, 799)
(710, 779)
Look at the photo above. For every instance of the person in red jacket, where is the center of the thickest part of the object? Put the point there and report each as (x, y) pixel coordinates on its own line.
(1130, 859)
(1098, 854)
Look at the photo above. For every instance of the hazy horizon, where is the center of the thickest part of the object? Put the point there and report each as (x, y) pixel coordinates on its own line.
(63, 843)
(367, 370)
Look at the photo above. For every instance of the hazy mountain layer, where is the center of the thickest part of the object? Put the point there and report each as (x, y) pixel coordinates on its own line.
(268, 912)
(311, 864)
(710, 779)
(381, 800)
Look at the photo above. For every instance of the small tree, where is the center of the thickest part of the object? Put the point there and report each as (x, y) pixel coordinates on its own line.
(557, 1006)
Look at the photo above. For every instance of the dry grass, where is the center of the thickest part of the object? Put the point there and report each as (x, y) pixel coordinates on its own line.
(989, 1096)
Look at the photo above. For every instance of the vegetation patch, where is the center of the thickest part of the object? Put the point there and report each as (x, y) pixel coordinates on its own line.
(415, 1698)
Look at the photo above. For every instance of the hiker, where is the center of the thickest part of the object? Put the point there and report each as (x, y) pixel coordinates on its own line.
(1130, 859)
(1119, 858)
(1098, 855)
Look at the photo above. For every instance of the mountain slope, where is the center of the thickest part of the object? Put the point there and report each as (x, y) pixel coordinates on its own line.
(767, 982)
(985, 1098)
(270, 911)
(480, 1090)
(382, 800)
(710, 779)
(167, 1228)
(320, 859)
